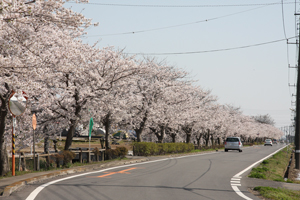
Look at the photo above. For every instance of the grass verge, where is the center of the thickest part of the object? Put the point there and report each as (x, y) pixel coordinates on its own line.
(278, 193)
(274, 167)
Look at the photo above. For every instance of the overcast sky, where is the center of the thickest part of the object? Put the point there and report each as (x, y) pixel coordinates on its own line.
(244, 71)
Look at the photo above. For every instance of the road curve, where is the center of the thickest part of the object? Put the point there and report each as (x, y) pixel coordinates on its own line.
(201, 176)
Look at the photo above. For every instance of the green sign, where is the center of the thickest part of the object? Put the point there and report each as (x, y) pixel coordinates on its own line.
(91, 127)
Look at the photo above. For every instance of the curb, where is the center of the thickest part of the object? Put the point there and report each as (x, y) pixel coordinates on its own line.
(19, 184)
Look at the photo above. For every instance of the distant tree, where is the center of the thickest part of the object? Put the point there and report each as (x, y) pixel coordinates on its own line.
(153, 92)
(264, 119)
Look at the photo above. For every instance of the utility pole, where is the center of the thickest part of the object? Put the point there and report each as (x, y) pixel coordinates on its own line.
(297, 132)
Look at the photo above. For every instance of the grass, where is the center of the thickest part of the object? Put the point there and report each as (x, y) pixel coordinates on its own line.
(17, 173)
(198, 150)
(278, 193)
(273, 168)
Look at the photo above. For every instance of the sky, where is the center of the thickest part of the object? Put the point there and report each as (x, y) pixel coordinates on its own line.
(237, 49)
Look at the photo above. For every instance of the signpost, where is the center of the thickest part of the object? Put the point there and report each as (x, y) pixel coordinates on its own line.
(34, 127)
(90, 134)
(17, 105)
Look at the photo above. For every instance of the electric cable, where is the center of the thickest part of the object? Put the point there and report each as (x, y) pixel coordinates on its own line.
(174, 26)
(282, 14)
(215, 50)
(184, 6)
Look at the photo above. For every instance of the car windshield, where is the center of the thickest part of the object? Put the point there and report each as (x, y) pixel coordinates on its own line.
(268, 140)
(232, 140)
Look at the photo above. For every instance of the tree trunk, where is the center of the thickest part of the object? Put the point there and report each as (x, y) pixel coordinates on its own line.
(70, 134)
(159, 138)
(173, 136)
(198, 139)
(188, 131)
(107, 124)
(188, 138)
(159, 134)
(212, 140)
(198, 142)
(139, 130)
(138, 134)
(74, 122)
(207, 138)
(4, 164)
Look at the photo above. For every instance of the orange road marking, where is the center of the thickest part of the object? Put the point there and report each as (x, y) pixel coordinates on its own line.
(119, 172)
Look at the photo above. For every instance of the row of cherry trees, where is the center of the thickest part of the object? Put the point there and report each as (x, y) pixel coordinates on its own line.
(68, 82)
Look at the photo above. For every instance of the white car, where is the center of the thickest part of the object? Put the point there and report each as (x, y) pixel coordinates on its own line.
(233, 143)
(268, 142)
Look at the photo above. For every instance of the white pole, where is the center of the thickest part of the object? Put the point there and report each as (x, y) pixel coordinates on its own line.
(89, 146)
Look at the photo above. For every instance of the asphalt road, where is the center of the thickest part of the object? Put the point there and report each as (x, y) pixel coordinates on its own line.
(203, 176)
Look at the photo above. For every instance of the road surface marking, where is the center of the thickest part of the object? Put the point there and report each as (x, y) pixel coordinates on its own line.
(119, 172)
(236, 189)
(34, 193)
(235, 182)
(239, 175)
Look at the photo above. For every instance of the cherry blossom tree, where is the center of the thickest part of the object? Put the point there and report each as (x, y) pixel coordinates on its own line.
(200, 102)
(68, 82)
(30, 34)
(112, 83)
(264, 119)
(152, 89)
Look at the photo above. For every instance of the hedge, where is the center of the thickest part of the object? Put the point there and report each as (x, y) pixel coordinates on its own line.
(151, 149)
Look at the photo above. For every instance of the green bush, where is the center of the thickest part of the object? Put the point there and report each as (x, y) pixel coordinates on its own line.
(265, 162)
(68, 165)
(119, 152)
(257, 175)
(260, 169)
(110, 154)
(96, 151)
(122, 151)
(68, 157)
(150, 148)
(171, 147)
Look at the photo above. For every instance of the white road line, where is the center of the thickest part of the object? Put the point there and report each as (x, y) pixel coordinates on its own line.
(239, 175)
(33, 194)
(236, 189)
(234, 181)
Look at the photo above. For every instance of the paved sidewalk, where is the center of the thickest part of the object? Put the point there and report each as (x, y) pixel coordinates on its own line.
(254, 182)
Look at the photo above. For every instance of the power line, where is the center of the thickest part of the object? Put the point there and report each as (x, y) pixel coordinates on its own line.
(282, 14)
(216, 50)
(287, 45)
(184, 6)
(174, 26)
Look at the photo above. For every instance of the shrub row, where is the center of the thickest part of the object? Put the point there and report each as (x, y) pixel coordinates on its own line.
(119, 152)
(151, 149)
